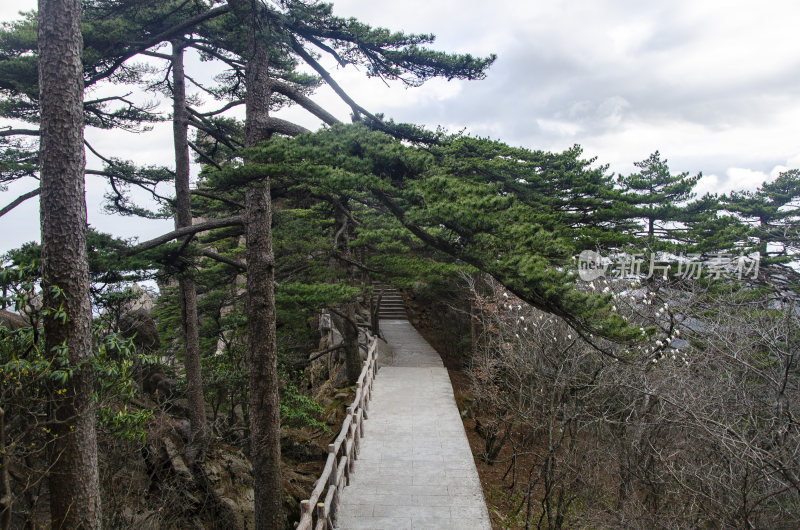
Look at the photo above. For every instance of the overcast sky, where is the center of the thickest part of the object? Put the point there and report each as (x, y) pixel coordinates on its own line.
(714, 85)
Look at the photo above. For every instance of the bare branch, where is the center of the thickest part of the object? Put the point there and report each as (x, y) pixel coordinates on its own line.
(357, 109)
(285, 127)
(98, 155)
(186, 231)
(223, 109)
(198, 121)
(352, 262)
(110, 98)
(19, 200)
(156, 55)
(233, 63)
(22, 132)
(317, 355)
(200, 85)
(203, 155)
(304, 101)
(224, 259)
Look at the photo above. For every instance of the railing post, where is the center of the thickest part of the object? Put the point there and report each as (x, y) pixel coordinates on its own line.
(333, 509)
(305, 507)
(351, 459)
(321, 514)
(350, 448)
(367, 397)
(332, 476)
(344, 463)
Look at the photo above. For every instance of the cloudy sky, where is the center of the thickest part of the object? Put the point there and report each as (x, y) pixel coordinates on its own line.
(714, 85)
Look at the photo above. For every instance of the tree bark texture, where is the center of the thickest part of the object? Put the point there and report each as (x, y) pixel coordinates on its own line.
(262, 352)
(186, 284)
(73, 476)
(352, 361)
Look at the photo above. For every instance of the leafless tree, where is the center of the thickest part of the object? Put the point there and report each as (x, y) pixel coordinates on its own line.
(694, 425)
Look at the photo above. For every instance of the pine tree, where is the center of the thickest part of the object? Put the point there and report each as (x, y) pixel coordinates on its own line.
(772, 215)
(661, 200)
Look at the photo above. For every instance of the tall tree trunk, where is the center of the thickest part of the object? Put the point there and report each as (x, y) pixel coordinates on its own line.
(374, 311)
(72, 452)
(352, 359)
(188, 290)
(346, 322)
(262, 351)
(265, 420)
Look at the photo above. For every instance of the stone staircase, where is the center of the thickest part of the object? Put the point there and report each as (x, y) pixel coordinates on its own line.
(391, 303)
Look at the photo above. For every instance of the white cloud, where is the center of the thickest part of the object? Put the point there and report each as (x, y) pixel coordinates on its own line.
(11, 10)
(560, 128)
(745, 179)
(739, 179)
(794, 161)
(628, 37)
(708, 184)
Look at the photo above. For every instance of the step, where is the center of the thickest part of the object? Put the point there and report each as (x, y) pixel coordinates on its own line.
(393, 313)
(385, 298)
(392, 306)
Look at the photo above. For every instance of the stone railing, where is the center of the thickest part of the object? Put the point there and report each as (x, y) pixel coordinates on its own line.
(319, 511)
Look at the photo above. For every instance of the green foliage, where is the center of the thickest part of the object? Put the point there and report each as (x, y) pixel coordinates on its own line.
(111, 269)
(29, 374)
(167, 315)
(111, 29)
(298, 410)
(302, 297)
(225, 377)
(18, 159)
(18, 65)
(19, 93)
(125, 423)
(124, 174)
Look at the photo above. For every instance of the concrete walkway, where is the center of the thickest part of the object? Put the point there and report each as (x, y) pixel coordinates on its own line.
(415, 469)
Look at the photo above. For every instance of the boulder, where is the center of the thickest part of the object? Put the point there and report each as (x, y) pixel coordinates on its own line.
(156, 383)
(228, 478)
(219, 487)
(12, 321)
(139, 326)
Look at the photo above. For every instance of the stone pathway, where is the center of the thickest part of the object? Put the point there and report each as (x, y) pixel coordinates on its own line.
(415, 469)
